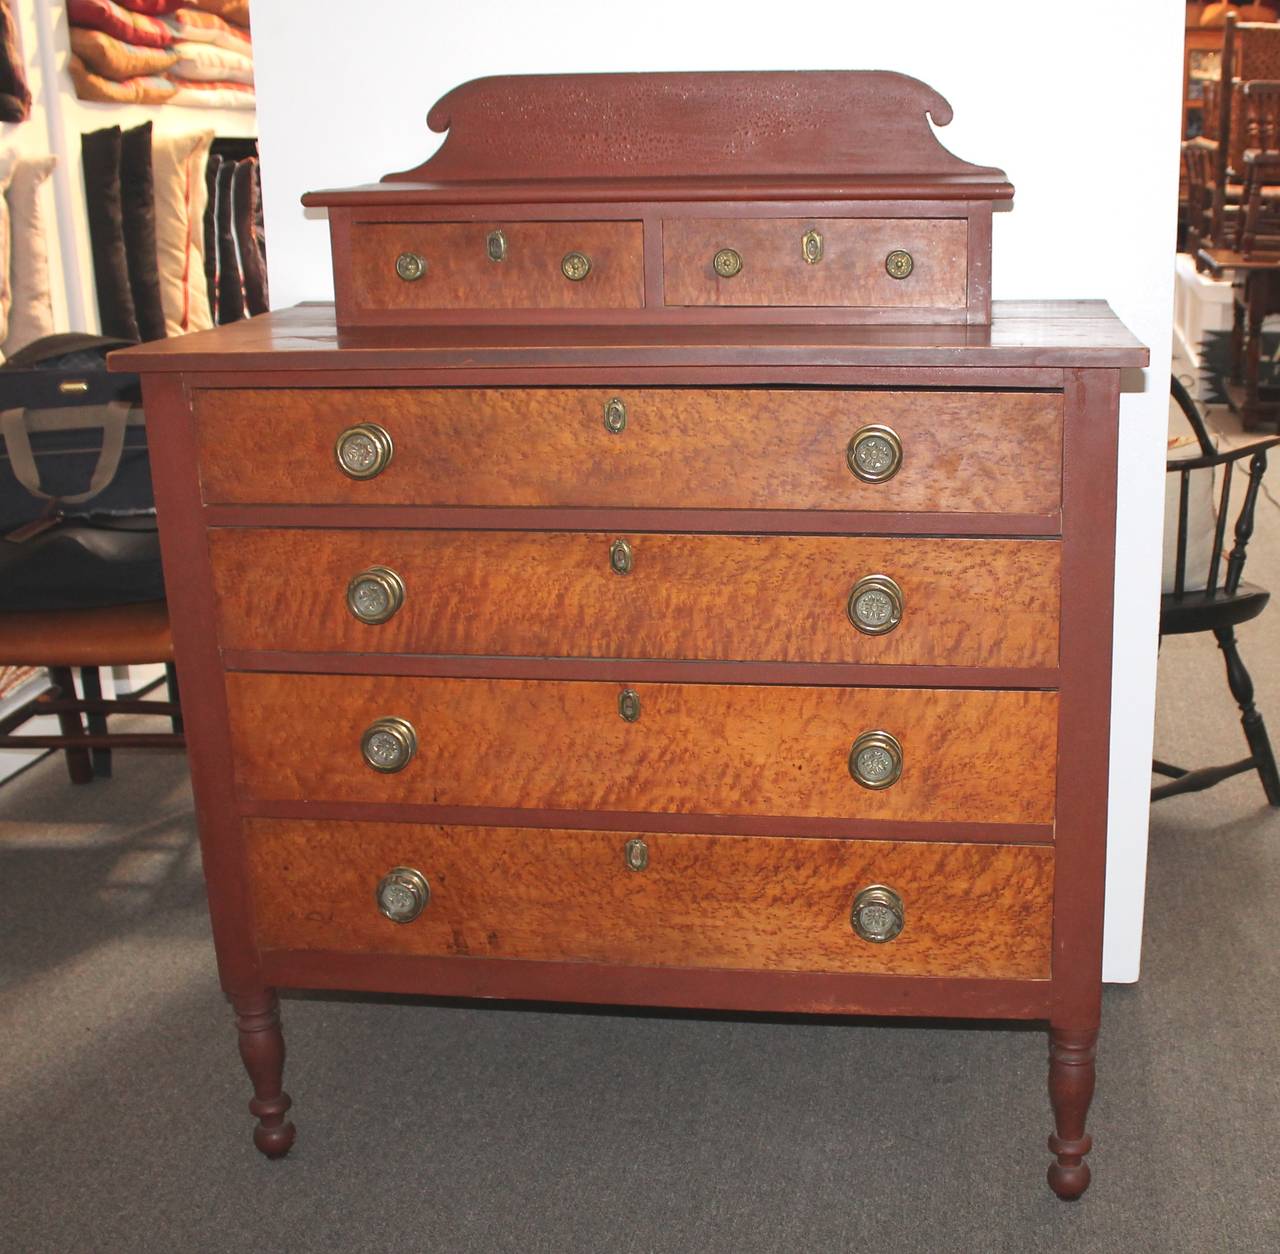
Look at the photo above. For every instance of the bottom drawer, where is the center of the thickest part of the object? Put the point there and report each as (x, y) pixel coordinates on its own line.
(752, 903)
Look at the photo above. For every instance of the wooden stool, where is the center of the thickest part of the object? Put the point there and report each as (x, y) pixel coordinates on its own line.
(117, 635)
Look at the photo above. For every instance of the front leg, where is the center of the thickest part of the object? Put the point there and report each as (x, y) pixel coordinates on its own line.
(1071, 1077)
(262, 1049)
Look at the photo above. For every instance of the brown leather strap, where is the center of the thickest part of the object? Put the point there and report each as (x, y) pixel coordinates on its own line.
(113, 417)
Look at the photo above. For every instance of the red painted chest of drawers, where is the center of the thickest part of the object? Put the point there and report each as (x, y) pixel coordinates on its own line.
(662, 578)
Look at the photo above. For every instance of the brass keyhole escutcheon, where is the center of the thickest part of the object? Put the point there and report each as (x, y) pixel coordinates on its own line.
(363, 451)
(629, 705)
(878, 914)
(621, 559)
(875, 605)
(615, 416)
(899, 264)
(636, 854)
(811, 247)
(875, 761)
(575, 267)
(411, 266)
(402, 894)
(727, 262)
(388, 745)
(495, 246)
(374, 595)
(874, 453)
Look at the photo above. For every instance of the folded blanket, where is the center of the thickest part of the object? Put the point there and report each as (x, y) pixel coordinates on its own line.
(111, 19)
(208, 63)
(212, 95)
(114, 59)
(194, 24)
(234, 11)
(90, 86)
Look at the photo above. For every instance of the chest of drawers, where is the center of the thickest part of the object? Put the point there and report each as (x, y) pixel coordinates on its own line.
(756, 662)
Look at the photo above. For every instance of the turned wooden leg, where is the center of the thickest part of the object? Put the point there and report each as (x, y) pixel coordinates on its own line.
(1237, 337)
(1255, 730)
(1251, 410)
(1071, 1073)
(262, 1049)
(79, 764)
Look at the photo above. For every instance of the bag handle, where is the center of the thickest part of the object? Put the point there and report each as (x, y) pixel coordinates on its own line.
(13, 427)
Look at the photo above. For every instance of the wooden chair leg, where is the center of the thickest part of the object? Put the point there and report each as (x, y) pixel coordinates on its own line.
(1251, 409)
(1237, 336)
(79, 764)
(91, 682)
(1255, 729)
(171, 678)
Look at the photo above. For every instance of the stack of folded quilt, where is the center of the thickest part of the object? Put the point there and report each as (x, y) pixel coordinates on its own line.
(182, 52)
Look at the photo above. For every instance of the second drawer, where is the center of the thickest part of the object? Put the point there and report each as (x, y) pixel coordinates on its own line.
(884, 600)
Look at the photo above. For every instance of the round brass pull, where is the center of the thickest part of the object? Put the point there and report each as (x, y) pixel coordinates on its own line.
(727, 262)
(874, 453)
(811, 247)
(875, 605)
(575, 267)
(403, 894)
(411, 266)
(374, 595)
(878, 914)
(363, 451)
(875, 761)
(629, 705)
(636, 854)
(615, 416)
(388, 745)
(899, 264)
(621, 559)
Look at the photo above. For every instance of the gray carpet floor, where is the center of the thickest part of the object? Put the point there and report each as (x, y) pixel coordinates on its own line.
(453, 1127)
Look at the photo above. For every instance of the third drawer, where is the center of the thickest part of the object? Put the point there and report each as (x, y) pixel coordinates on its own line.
(890, 600)
(970, 756)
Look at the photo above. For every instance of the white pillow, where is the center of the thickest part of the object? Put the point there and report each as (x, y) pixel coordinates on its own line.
(210, 63)
(178, 167)
(31, 314)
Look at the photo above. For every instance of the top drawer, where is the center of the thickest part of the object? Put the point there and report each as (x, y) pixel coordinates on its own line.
(410, 266)
(656, 448)
(886, 263)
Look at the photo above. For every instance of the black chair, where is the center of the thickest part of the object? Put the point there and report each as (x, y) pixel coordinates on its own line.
(1194, 606)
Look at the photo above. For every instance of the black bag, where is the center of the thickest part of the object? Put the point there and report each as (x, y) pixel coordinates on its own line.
(77, 513)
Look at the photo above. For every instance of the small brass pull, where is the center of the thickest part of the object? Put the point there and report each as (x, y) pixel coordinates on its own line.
(899, 264)
(874, 453)
(389, 745)
(636, 854)
(411, 266)
(875, 605)
(621, 558)
(615, 415)
(875, 761)
(575, 267)
(73, 387)
(811, 247)
(727, 262)
(629, 705)
(363, 451)
(403, 894)
(495, 246)
(878, 914)
(374, 595)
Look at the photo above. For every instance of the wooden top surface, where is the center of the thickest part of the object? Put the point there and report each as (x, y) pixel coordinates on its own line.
(826, 134)
(1044, 334)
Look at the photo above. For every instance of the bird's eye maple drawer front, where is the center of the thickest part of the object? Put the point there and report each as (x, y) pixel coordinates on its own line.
(673, 448)
(969, 756)
(854, 262)
(945, 602)
(766, 903)
(514, 265)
